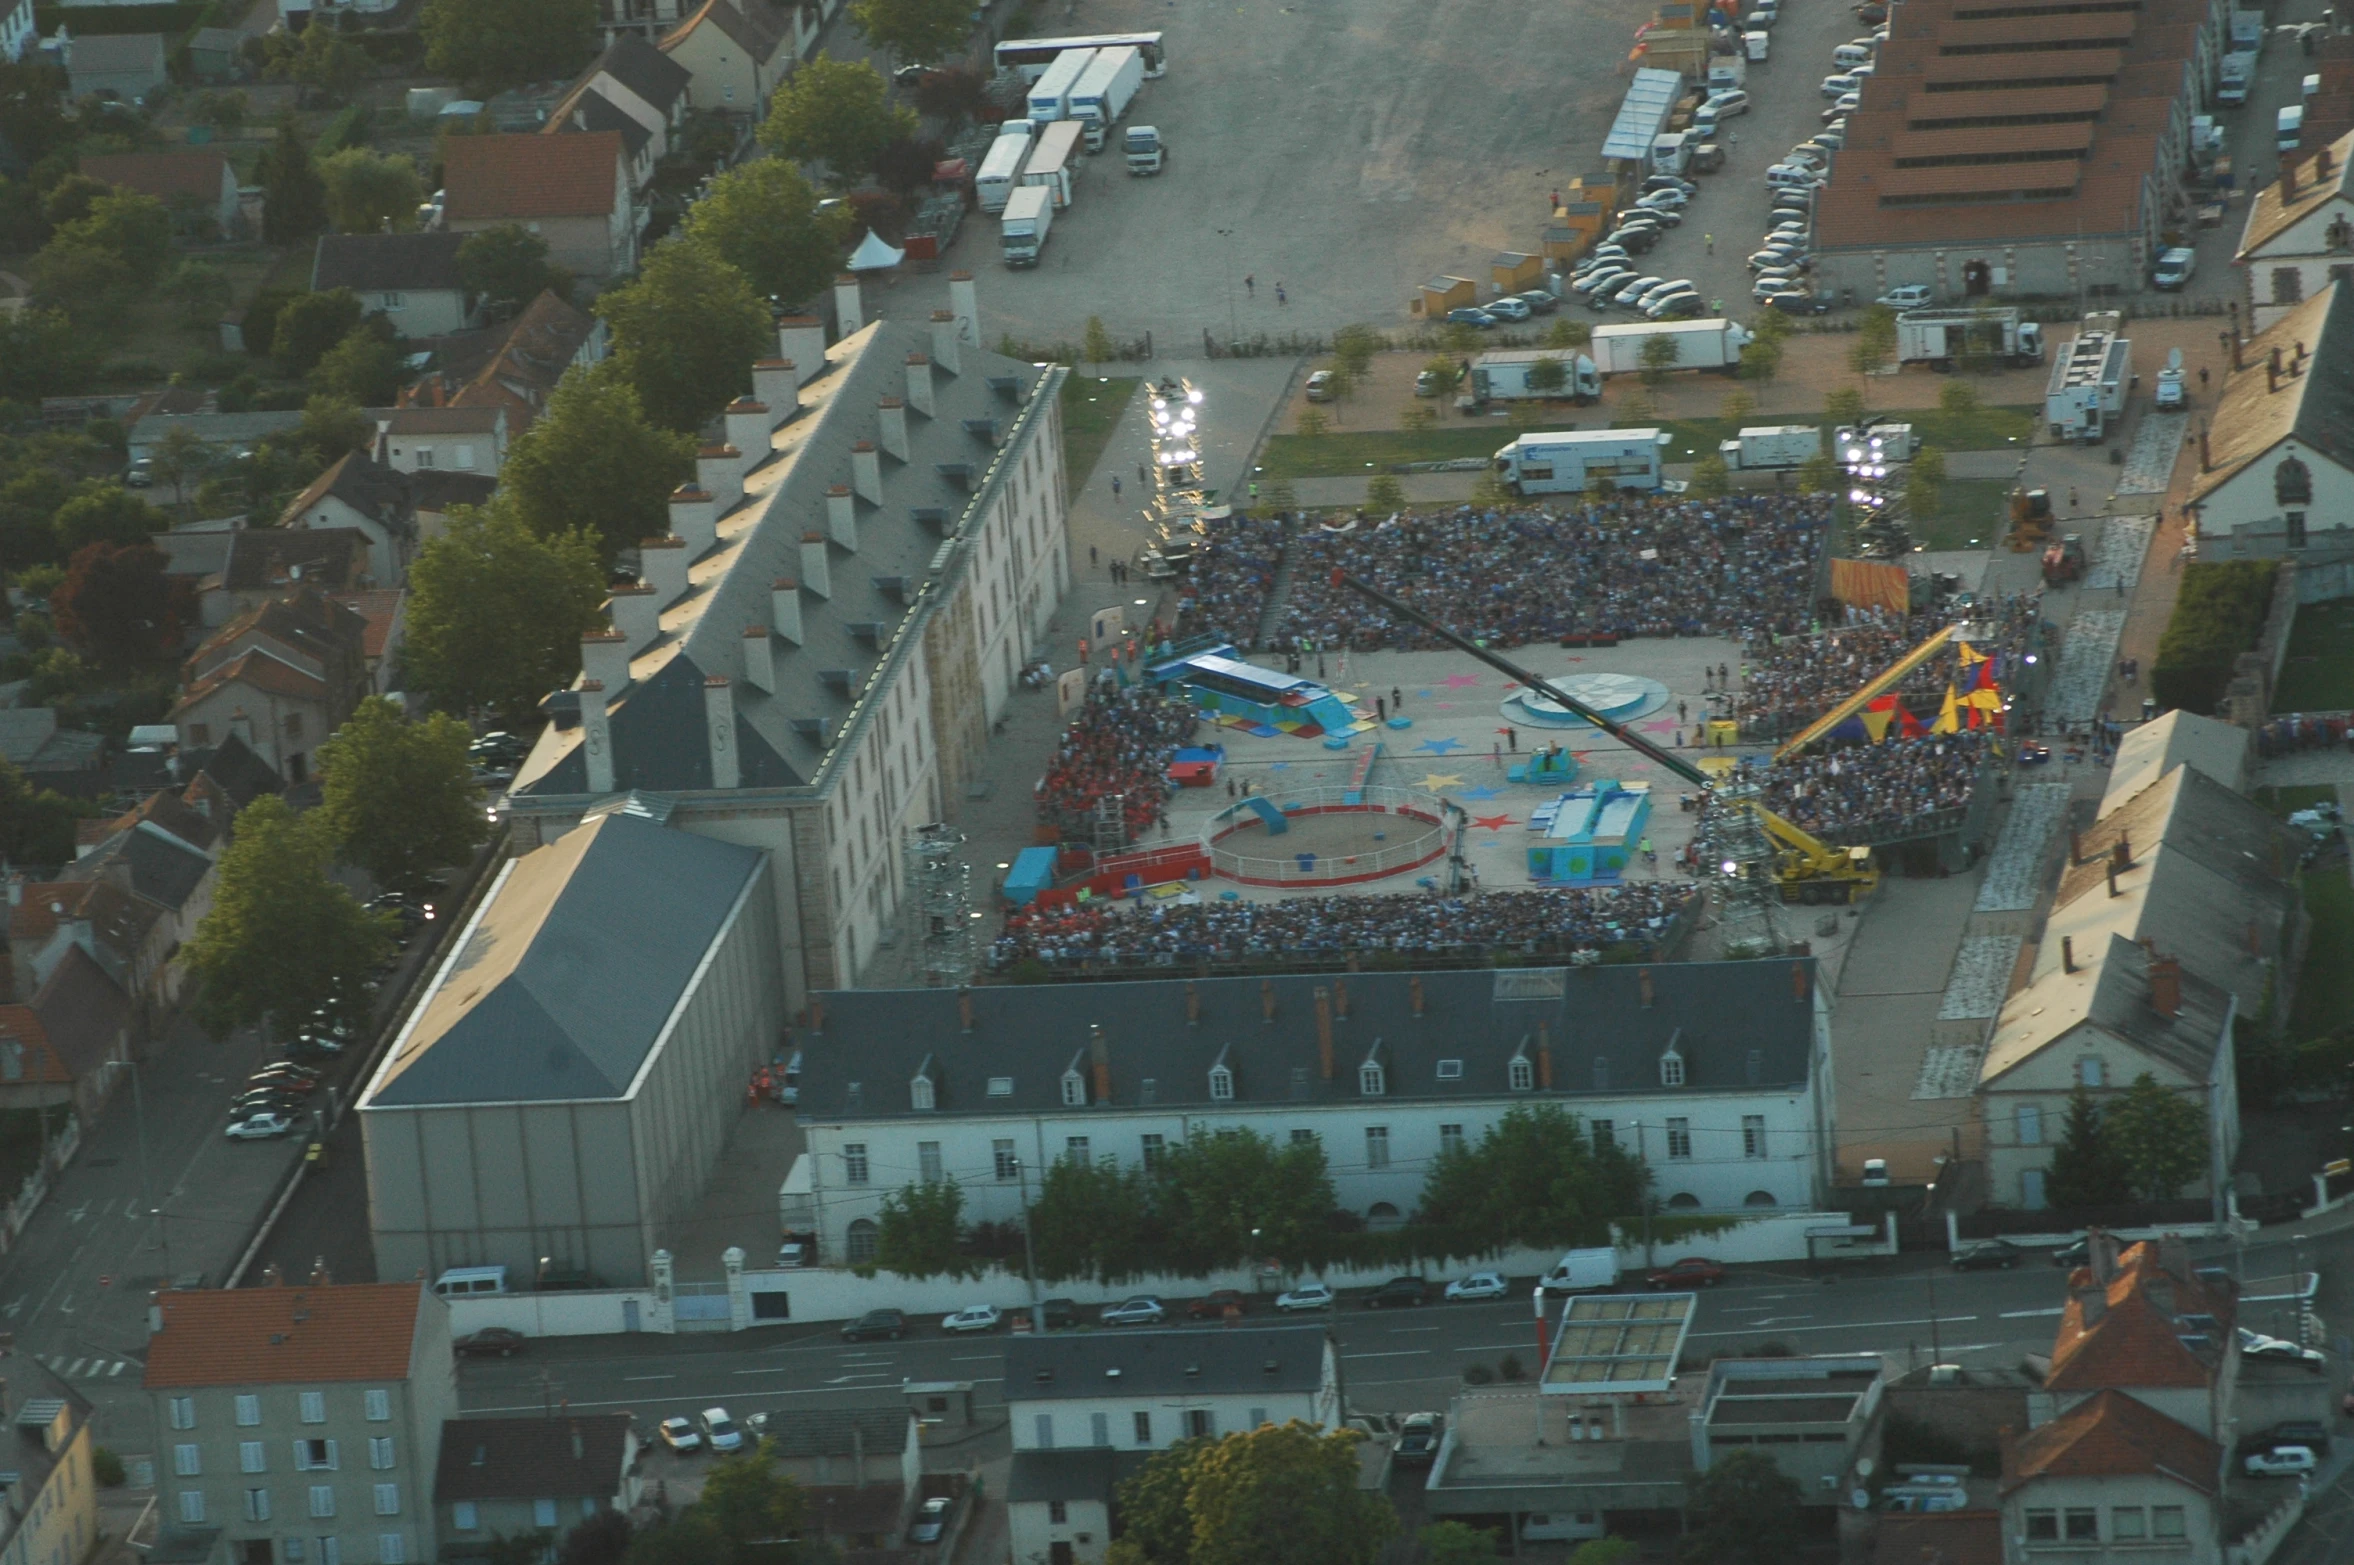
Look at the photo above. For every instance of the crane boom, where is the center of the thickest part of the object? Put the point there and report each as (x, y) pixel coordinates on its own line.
(1873, 687)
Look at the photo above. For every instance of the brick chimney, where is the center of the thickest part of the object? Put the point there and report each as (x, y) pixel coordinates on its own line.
(2075, 846)
(1643, 982)
(2166, 987)
(1414, 993)
(964, 1007)
(2067, 953)
(2324, 166)
(1193, 1003)
(1099, 1057)
(2288, 180)
(1323, 1029)
(2206, 460)
(2236, 346)
(2121, 851)
(1544, 1057)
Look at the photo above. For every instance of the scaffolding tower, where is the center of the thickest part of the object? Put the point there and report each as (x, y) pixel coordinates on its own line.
(1111, 823)
(1739, 866)
(940, 904)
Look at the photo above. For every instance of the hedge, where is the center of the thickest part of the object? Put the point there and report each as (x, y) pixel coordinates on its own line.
(2218, 616)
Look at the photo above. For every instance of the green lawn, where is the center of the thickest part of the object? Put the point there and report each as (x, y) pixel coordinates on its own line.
(1091, 411)
(1347, 453)
(2288, 800)
(1969, 514)
(2319, 674)
(2325, 990)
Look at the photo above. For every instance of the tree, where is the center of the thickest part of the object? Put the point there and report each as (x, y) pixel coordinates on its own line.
(835, 112)
(1098, 346)
(2160, 1135)
(202, 292)
(1093, 1222)
(1354, 347)
(1875, 341)
(1537, 1177)
(70, 199)
(1923, 499)
(41, 354)
(179, 456)
(919, 1231)
(748, 1502)
(1453, 1543)
(1711, 479)
(321, 58)
(282, 938)
(28, 506)
(1385, 493)
(1443, 371)
(96, 264)
(492, 45)
(368, 190)
(914, 31)
(118, 608)
(496, 612)
(1226, 1199)
(1659, 355)
(1548, 374)
(225, 112)
(36, 825)
(1742, 1511)
(294, 198)
(762, 218)
(1738, 405)
(1818, 474)
(509, 266)
(309, 325)
(399, 797)
(2086, 1170)
(592, 462)
(104, 512)
(330, 427)
(685, 334)
(688, 1538)
(1929, 462)
(364, 369)
(1283, 1493)
(602, 1539)
(1567, 333)
(1157, 1526)
(1843, 405)
(1762, 359)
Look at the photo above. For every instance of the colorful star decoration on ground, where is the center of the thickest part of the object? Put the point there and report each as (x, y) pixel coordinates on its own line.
(1491, 822)
(1441, 780)
(1440, 746)
(1660, 725)
(1483, 791)
(1460, 681)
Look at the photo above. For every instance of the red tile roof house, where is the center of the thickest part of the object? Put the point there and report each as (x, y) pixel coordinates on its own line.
(2124, 1328)
(281, 678)
(2113, 1470)
(68, 1042)
(571, 190)
(199, 187)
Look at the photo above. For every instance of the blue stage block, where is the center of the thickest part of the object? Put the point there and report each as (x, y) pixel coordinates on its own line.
(1401, 722)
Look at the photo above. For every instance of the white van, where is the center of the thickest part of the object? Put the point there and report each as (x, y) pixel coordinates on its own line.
(470, 1282)
(1850, 55)
(1792, 176)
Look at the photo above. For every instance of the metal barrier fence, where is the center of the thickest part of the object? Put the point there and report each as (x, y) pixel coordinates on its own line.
(1317, 868)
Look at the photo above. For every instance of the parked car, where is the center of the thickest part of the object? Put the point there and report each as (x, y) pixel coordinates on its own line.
(1678, 306)
(1987, 1255)
(1599, 277)
(501, 747)
(1428, 384)
(261, 1127)
(1399, 1291)
(1479, 1285)
(1143, 1310)
(678, 1432)
(1418, 1439)
(1320, 386)
(309, 1047)
(1469, 316)
(2257, 1345)
(1307, 1296)
(1693, 1271)
(1215, 1304)
(1509, 308)
(973, 1317)
(490, 1341)
(2288, 1461)
(1667, 182)
(1848, 103)
(721, 1431)
(1665, 216)
(1724, 105)
(247, 1105)
(1539, 301)
(1059, 1314)
(1799, 301)
(876, 1323)
(1839, 84)
(1663, 201)
(1635, 239)
(931, 1519)
(2077, 1251)
(295, 1084)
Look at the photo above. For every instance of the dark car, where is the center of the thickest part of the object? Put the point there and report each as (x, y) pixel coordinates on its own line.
(930, 1520)
(2295, 1432)
(1058, 1314)
(1997, 1254)
(2076, 1252)
(488, 1341)
(246, 1103)
(1418, 1439)
(1693, 1271)
(1398, 1290)
(1799, 303)
(876, 1323)
(1213, 1306)
(308, 1048)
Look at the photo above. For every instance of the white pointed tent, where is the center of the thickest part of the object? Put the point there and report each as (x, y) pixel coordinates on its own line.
(873, 255)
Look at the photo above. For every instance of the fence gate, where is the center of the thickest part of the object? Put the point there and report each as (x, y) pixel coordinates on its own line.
(701, 1306)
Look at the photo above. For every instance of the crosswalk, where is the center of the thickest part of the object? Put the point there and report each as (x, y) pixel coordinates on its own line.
(67, 1367)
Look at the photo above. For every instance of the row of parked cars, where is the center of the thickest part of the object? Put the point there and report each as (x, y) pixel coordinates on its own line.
(1608, 278)
(1509, 307)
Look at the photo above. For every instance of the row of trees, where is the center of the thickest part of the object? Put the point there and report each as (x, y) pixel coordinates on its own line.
(2146, 1142)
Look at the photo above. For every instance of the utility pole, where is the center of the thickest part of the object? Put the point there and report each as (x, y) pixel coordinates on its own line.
(1936, 1349)
(1641, 1157)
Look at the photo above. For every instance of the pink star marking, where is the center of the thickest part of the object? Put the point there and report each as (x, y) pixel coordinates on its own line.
(1461, 681)
(1491, 822)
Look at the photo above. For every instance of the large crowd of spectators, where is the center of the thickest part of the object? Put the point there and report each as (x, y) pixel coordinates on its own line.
(1789, 681)
(2295, 732)
(1838, 792)
(1120, 741)
(1534, 923)
(1742, 567)
(1225, 591)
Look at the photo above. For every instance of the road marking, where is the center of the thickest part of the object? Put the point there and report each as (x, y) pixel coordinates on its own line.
(649, 1377)
(65, 1306)
(1400, 1353)
(1847, 1325)
(78, 1213)
(1502, 1347)
(131, 1209)
(1403, 1331)
(866, 1374)
(13, 1306)
(978, 1358)
(2032, 1314)
(781, 1369)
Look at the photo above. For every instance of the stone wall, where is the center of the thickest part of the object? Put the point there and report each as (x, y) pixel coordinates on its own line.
(2247, 700)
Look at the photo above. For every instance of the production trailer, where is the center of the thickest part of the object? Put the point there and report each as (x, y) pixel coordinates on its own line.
(1001, 170)
(1771, 448)
(1029, 213)
(1050, 94)
(1503, 376)
(1942, 336)
(1571, 461)
(1054, 163)
(2089, 381)
(1103, 94)
(1700, 345)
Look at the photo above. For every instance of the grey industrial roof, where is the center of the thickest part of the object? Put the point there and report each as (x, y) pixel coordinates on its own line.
(657, 721)
(1227, 1361)
(374, 262)
(1734, 1024)
(563, 984)
(842, 1431)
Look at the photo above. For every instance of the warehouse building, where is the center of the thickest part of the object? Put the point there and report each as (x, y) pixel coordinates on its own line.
(2018, 150)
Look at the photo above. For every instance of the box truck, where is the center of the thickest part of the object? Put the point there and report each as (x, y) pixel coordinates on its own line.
(1700, 345)
(1102, 95)
(1050, 94)
(1001, 170)
(1727, 71)
(1768, 448)
(2089, 381)
(1054, 162)
(2289, 127)
(1147, 153)
(1029, 213)
(1756, 46)
(1941, 336)
(1582, 1271)
(1572, 461)
(1503, 376)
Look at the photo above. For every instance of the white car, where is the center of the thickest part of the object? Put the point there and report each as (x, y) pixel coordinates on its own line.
(1479, 1285)
(2288, 1461)
(721, 1430)
(1143, 1310)
(1839, 85)
(261, 1127)
(973, 1317)
(1307, 1296)
(1724, 105)
(1848, 103)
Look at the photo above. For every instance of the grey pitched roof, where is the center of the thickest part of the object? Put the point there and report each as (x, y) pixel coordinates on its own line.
(83, 1010)
(875, 588)
(668, 749)
(372, 263)
(193, 553)
(1227, 1361)
(2121, 1006)
(554, 994)
(102, 52)
(594, 111)
(236, 770)
(645, 70)
(163, 868)
(842, 1431)
(532, 1458)
(1082, 1474)
(1735, 1025)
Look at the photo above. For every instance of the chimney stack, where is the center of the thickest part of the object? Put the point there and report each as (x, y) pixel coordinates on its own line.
(944, 344)
(1324, 1030)
(1267, 1000)
(1099, 1056)
(719, 713)
(694, 517)
(2122, 850)
(604, 657)
(1544, 1057)
(579, 1446)
(776, 385)
(919, 384)
(801, 342)
(2103, 1250)
(964, 304)
(2092, 1303)
(964, 1007)
(2067, 953)
(2288, 179)
(759, 659)
(842, 517)
(2166, 987)
(784, 608)
(817, 572)
(1414, 993)
(2112, 877)
(2207, 461)
(719, 471)
(866, 472)
(1798, 986)
(637, 614)
(1643, 982)
(1193, 1003)
(849, 309)
(891, 427)
(2075, 846)
(747, 424)
(1340, 998)
(596, 742)
(2236, 345)
(662, 565)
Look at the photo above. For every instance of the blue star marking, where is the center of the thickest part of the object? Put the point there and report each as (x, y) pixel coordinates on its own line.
(1483, 791)
(1440, 746)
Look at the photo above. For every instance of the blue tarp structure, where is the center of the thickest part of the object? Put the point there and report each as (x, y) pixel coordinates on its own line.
(1033, 872)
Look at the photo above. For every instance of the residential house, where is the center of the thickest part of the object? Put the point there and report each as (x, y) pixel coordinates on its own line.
(18, 31)
(226, 433)
(563, 1089)
(2276, 461)
(225, 778)
(412, 279)
(123, 66)
(1713, 1073)
(1088, 1410)
(386, 612)
(363, 495)
(304, 1421)
(281, 678)
(196, 183)
(461, 439)
(266, 563)
(594, 113)
(66, 759)
(216, 54)
(646, 87)
(858, 573)
(52, 1493)
(2112, 1471)
(130, 938)
(2299, 235)
(68, 1042)
(860, 1470)
(574, 191)
(166, 851)
(642, 18)
(735, 52)
(513, 1477)
(2145, 1321)
(515, 367)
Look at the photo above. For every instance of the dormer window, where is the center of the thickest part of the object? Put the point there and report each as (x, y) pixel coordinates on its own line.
(922, 1095)
(1450, 1070)
(1523, 1073)
(1074, 1090)
(1221, 1084)
(1372, 1080)
(1671, 1067)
